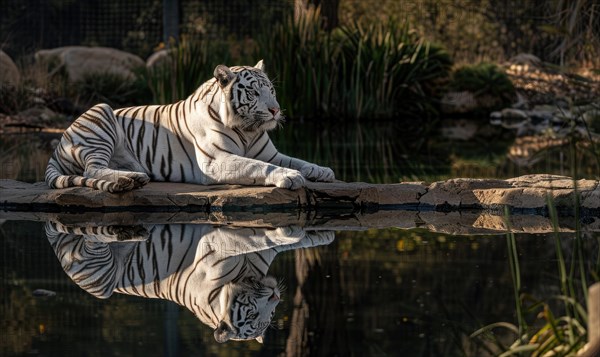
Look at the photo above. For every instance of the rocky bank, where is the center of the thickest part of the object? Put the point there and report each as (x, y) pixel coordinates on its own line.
(465, 206)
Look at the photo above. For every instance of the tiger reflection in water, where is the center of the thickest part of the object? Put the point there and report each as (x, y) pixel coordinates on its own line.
(218, 273)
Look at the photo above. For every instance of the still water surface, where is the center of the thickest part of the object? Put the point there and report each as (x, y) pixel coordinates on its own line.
(386, 292)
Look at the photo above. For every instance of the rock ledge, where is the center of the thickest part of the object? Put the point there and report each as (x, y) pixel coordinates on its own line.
(522, 194)
(457, 206)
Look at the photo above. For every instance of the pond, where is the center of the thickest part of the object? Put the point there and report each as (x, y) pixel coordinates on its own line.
(84, 289)
(372, 292)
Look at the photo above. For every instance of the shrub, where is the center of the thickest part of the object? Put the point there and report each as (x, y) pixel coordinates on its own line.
(377, 71)
(110, 88)
(14, 99)
(484, 79)
(188, 65)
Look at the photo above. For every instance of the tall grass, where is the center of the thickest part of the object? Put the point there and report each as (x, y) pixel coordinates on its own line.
(187, 65)
(550, 334)
(363, 72)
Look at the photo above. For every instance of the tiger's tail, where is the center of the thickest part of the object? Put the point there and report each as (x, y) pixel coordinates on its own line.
(56, 179)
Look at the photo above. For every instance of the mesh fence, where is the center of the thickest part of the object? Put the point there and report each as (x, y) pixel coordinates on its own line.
(134, 25)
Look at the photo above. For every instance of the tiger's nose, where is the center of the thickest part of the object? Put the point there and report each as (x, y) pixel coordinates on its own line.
(274, 111)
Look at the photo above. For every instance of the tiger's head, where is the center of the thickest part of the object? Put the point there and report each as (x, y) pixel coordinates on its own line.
(247, 309)
(250, 103)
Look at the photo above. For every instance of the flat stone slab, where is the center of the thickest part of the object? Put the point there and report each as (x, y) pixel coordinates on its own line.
(525, 194)
(456, 206)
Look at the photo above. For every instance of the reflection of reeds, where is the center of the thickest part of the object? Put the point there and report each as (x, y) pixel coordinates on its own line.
(354, 152)
(22, 158)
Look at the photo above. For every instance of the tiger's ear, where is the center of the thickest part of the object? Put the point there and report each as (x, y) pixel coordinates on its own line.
(223, 75)
(260, 65)
(223, 332)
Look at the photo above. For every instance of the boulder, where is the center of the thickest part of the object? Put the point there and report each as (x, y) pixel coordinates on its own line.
(458, 102)
(9, 72)
(80, 61)
(549, 118)
(525, 60)
(538, 82)
(158, 59)
(461, 102)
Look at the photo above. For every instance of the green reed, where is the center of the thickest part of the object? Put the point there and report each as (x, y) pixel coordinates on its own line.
(356, 71)
(187, 65)
(556, 335)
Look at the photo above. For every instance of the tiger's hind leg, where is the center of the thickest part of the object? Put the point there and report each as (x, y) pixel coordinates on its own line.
(105, 234)
(124, 163)
(104, 143)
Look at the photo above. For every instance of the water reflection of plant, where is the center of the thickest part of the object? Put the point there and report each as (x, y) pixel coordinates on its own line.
(23, 157)
(385, 152)
(18, 328)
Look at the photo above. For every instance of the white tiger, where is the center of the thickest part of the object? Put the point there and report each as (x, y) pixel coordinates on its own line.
(218, 135)
(220, 274)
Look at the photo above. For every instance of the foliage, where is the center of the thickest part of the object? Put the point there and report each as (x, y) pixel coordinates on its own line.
(14, 99)
(110, 88)
(484, 79)
(564, 32)
(356, 71)
(184, 68)
(574, 29)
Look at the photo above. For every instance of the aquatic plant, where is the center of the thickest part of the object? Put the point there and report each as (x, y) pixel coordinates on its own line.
(386, 69)
(14, 99)
(549, 334)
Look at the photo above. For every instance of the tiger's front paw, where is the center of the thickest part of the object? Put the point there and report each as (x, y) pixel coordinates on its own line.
(290, 179)
(317, 173)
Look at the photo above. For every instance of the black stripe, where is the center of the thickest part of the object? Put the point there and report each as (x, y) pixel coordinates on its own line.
(272, 157)
(241, 136)
(214, 115)
(157, 127)
(220, 148)
(227, 136)
(261, 149)
(204, 152)
(165, 166)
